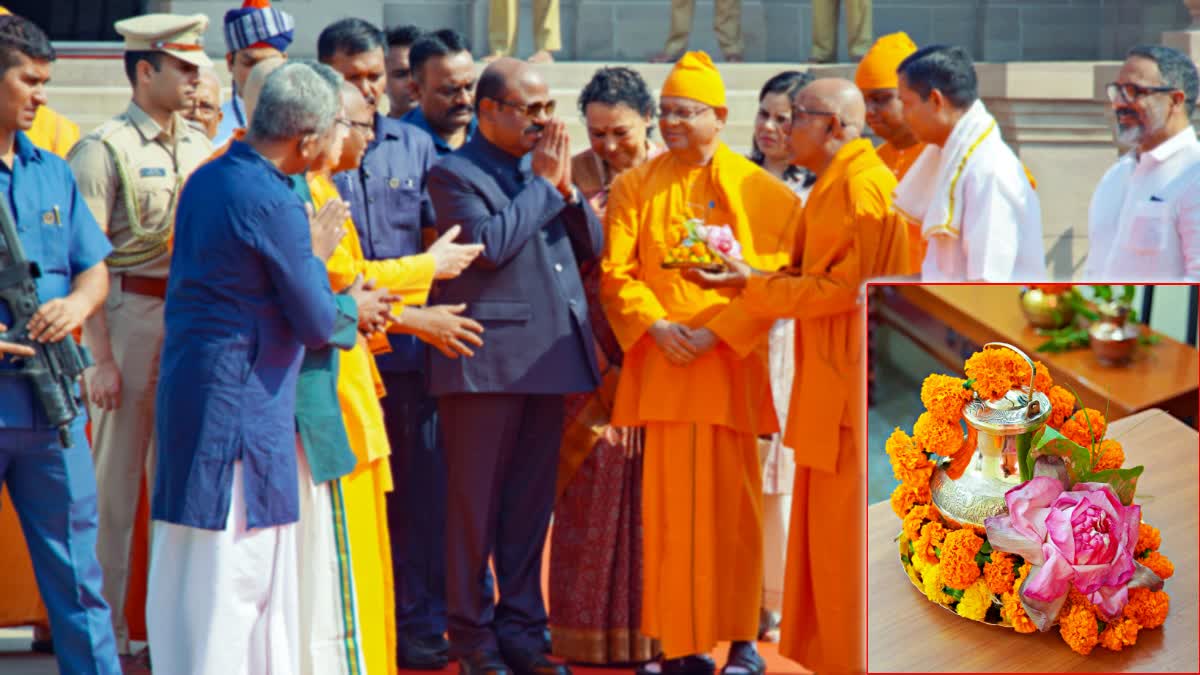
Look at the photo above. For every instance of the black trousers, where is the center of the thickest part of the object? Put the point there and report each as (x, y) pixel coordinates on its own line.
(501, 461)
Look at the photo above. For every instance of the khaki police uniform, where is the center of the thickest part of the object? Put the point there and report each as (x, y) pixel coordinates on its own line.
(130, 172)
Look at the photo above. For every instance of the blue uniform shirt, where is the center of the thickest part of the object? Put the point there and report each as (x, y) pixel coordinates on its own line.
(58, 232)
(417, 118)
(245, 296)
(389, 206)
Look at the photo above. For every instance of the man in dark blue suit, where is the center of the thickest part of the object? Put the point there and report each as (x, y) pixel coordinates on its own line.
(502, 411)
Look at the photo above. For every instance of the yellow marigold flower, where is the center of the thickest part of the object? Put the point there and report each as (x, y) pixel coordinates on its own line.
(914, 575)
(1148, 608)
(1119, 634)
(931, 581)
(994, 372)
(1012, 611)
(959, 568)
(1159, 564)
(909, 464)
(904, 542)
(1079, 628)
(999, 573)
(1062, 405)
(904, 497)
(944, 397)
(976, 601)
(1108, 455)
(1149, 539)
(916, 518)
(937, 437)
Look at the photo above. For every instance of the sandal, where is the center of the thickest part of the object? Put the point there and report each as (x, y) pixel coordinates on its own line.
(744, 659)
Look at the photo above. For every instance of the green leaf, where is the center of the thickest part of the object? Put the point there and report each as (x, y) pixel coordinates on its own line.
(1102, 292)
(1149, 339)
(969, 383)
(1123, 481)
(952, 592)
(1023, 462)
(1047, 441)
(986, 548)
(906, 560)
(982, 559)
(1127, 293)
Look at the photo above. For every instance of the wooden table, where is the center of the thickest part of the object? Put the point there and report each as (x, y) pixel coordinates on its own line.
(1160, 376)
(907, 632)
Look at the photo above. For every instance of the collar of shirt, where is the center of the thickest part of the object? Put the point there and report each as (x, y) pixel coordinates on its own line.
(24, 149)
(493, 153)
(149, 129)
(1163, 151)
(416, 117)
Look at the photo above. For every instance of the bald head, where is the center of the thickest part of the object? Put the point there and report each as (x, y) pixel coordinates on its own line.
(838, 96)
(513, 105)
(503, 75)
(256, 79)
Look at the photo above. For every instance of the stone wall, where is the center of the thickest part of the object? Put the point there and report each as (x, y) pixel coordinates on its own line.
(775, 30)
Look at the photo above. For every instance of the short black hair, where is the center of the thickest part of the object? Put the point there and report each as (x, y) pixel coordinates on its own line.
(19, 35)
(789, 83)
(947, 68)
(618, 85)
(348, 36)
(403, 36)
(438, 43)
(133, 58)
(1177, 70)
(491, 85)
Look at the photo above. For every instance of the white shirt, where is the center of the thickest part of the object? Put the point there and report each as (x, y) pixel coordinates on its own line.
(1001, 237)
(1143, 225)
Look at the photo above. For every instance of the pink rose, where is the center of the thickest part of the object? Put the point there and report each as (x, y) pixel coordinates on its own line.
(1084, 537)
(720, 238)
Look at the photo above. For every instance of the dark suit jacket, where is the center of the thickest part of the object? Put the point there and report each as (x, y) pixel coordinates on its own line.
(525, 287)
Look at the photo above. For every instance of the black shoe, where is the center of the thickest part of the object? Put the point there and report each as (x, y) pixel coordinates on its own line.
(526, 662)
(744, 655)
(483, 663)
(697, 664)
(42, 646)
(421, 653)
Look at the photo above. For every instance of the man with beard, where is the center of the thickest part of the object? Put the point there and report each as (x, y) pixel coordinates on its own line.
(399, 72)
(130, 171)
(502, 411)
(390, 209)
(253, 32)
(967, 192)
(1144, 219)
(443, 82)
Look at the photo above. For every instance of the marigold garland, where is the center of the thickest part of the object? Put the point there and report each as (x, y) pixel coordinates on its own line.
(1062, 405)
(1149, 539)
(915, 518)
(1108, 455)
(932, 583)
(999, 573)
(1148, 608)
(959, 568)
(1079, 628)
(905, 496)
(1159, 564)
(936, 436)
(1077, 427)
(993, 372)
(909, 464)
(1119, 634)
(925, 547)
(975, 602)
(945, 397)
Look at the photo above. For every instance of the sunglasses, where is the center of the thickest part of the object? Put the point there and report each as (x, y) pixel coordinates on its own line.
(1127, 92)
(532, 110)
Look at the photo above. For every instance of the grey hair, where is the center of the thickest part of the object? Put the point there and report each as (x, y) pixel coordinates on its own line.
(298, 99)
(1176, 68)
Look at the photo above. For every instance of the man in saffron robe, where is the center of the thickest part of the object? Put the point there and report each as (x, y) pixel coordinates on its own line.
(847, 235)
(696, 375)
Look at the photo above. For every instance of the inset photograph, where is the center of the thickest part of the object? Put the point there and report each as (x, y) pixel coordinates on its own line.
(1032, 478)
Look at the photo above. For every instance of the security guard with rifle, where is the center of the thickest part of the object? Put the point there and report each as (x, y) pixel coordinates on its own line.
(52, 277)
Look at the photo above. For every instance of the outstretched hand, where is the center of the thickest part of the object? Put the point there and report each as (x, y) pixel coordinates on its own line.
(734, 274)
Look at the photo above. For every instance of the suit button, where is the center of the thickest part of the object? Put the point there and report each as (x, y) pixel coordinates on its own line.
(557, 267)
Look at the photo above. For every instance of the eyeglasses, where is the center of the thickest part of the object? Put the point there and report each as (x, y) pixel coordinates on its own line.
(681, 113)
(1127, 92)
(351, 124)
(799, 114)
(532, 110)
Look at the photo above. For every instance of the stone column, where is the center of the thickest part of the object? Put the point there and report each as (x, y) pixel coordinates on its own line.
(1188, 40)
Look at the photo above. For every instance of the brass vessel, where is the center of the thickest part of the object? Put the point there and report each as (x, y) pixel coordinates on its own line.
(1002, 425)
(1046, 310)
(1114, 337)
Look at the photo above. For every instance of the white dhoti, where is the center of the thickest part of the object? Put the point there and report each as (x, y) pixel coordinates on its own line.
(330, 638)
(779, 465)
(227, 602)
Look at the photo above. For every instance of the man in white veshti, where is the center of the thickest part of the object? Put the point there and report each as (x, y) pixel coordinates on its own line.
(1144, 219)
(970, 194)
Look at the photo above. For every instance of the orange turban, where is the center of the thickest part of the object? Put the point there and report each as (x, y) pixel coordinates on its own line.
(694, 76)
(877, 70)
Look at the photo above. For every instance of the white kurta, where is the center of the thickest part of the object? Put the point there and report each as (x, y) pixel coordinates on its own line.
(1144, 219)
(224, 601)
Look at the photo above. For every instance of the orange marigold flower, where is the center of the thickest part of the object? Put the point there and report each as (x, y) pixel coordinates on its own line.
(959, 569)
(933, 534)
(1148, 608)
(1076, 432)
(1108, 455)
(935, 436)
(944, 397)
(1093, 417)
(1079, 628)
(1119, 634)
(1159, 564)
(1041, 380)
(909, 464)
(1149, 539)
(917, 517)
(999, 573)
(904, 497)
(1014, 613)
(1062, 404)
(994, 372)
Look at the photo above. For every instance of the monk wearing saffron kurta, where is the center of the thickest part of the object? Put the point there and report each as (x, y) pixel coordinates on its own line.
(695, 375)
(847, 235)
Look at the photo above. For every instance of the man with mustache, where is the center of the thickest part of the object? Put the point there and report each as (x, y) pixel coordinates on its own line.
(253, 32)
(443, 82)
(205, 111)
(130, 171)
(1144, 219)
(502, 411)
